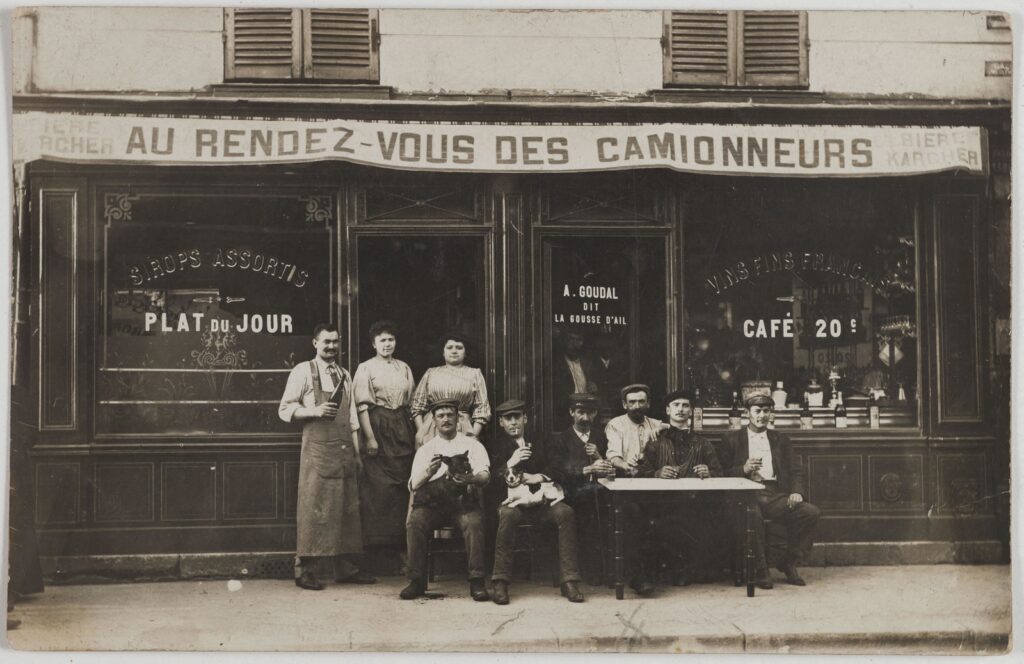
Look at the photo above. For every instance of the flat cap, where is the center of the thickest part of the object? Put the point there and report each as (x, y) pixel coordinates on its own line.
(511, 406)
(583, 400)
(444, 403)
(678, 394)
(635, 387)
(758, 400)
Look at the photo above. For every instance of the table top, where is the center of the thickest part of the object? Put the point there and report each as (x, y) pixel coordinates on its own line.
(681, 484)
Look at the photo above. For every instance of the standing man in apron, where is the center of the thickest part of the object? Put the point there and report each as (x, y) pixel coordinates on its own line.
(327, 512)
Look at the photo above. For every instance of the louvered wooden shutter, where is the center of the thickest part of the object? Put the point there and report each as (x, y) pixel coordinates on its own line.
(341, 44)
(750, 49)
(772, 49)
(263, 43)
(700, 47)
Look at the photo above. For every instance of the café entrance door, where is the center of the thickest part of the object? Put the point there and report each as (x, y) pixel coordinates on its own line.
(606, 319)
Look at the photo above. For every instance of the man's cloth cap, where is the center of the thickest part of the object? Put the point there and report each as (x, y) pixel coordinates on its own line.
(511, 406)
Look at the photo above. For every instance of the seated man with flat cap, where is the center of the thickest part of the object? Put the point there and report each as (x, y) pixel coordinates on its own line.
(530, 464)
(766, 456)
(441, 495)
(683, 530)
(582, 448)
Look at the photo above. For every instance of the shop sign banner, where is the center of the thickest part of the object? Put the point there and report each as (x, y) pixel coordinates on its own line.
(802, 150)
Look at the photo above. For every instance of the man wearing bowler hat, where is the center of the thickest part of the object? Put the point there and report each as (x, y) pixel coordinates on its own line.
(531, 463)
(766, 456)
(435, 506)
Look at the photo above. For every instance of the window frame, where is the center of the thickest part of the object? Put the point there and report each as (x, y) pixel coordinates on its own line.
(303, 68)
(735, 75)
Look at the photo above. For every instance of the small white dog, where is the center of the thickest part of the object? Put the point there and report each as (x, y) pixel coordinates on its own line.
(527, 495)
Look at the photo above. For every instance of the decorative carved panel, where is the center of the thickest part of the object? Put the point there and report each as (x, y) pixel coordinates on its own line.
(962, 489)
(434, 199)
(58, 280)
(123, 492)
(250, 490)
(58, 493)
(896, 482)
(835, 483)
(589, 198)
(188, 491)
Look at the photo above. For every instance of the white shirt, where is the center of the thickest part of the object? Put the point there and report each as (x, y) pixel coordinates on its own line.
(298, 391)
(626, 439)
(478, 460)
(585, 437)
(757, 444)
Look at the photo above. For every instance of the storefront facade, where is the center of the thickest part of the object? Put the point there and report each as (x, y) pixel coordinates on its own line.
(163, 301)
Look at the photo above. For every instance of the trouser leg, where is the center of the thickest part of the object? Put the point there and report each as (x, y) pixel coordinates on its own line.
(563, 517)
(304, 564)
(800, 522)
(509, 519)
(636, 531)
(343, 567)
(472, 526)
(421, 524)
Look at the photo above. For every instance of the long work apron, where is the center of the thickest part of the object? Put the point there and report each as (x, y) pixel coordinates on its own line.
(327, 512)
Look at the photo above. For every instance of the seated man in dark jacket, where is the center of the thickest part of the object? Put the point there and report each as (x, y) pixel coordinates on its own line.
(766, 456)
(517, 461)
(582, 448)
(684, 529)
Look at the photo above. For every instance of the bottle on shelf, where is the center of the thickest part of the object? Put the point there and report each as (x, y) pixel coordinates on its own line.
(806, 416)
(779, 396)
(736, 412)
(697, 414)
(874, 416)
(840, 411)
(902, 396)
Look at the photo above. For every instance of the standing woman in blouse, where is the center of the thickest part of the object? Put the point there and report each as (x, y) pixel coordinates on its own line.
(383, 387)
(452, 381)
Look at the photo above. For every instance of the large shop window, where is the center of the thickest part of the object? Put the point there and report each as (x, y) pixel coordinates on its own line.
(208, 304)
(809, 285)
(736, 48)
(301, 44)
(608, 319)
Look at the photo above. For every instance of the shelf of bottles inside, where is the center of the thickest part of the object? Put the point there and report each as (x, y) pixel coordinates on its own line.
(813, 412)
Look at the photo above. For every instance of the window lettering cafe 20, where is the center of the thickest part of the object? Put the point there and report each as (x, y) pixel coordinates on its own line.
(171, 266)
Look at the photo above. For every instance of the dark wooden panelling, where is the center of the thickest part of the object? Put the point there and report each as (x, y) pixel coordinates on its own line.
(962, 485)
(959, 360)
(835, 483)
(188, 491)
(250, 490)
(58, 493)
(291, 488)
(896, 482)
(123, 492)
(58, 294)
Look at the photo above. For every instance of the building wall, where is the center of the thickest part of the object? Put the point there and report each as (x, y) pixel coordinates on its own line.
(83, 49)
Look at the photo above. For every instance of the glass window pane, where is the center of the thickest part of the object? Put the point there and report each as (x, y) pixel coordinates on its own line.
(607, 320)
(811, 286)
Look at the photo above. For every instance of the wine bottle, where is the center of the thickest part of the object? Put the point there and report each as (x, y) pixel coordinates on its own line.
(874, 417)
(806, 416)
(840, 411)
(698, 411)
(736, 412)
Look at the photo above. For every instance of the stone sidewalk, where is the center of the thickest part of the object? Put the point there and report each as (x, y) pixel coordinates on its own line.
(950, 609)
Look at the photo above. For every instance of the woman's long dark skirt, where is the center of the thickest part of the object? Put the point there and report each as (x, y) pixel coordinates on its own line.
(384, 491)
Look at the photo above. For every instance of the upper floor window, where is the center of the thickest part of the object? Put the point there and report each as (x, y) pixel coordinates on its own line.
(736, 48)
(302, 44)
